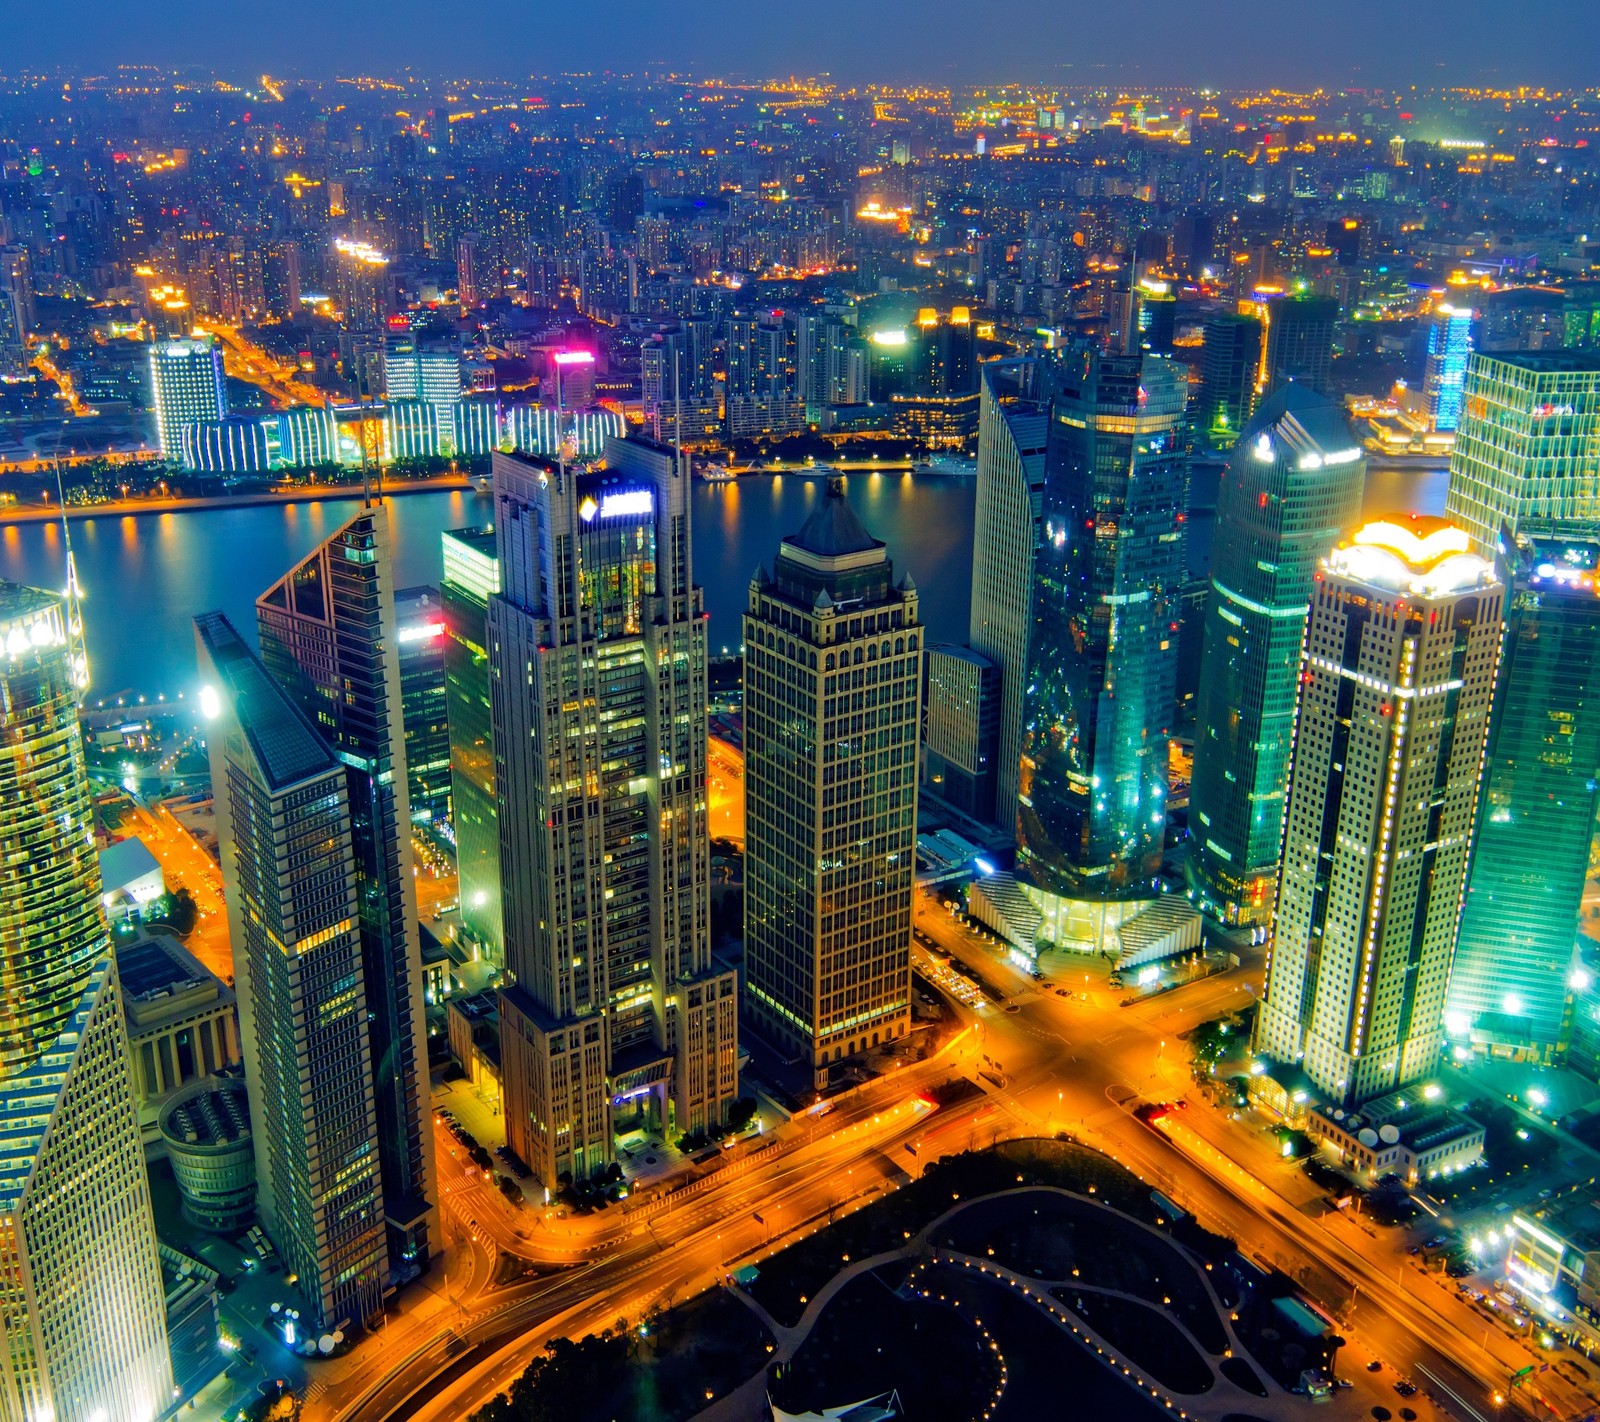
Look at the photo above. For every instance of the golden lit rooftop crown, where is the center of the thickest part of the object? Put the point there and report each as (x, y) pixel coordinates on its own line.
(1421, 547)
(1430, 558)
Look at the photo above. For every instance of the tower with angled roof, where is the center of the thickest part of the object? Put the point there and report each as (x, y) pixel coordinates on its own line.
(614, 1017)
(833, 690)
(289, 869)
(328, 634)
(81, 1297)
(1292, 487)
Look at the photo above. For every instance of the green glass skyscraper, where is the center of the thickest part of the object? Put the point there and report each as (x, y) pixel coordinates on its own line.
(1527, 450)
(1293, 486)
(1530, 856)
(1103, 652)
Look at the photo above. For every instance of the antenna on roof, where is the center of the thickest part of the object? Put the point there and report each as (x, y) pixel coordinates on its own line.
(77, 649)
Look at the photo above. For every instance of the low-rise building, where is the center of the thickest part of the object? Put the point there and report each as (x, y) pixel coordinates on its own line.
(475, 1039)
(1408, 1133)
(130, 878)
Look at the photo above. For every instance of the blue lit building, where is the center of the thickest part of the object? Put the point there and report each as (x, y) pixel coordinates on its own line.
(1449, 349)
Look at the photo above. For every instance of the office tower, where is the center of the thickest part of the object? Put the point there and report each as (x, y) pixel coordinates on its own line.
(330, 640)
(471, 578)
(1293, 486)
(1520, 461)
(186, 387)
(421, 637)
(469, 249)
(613, 1016)
(1449, 348)
(85, 1330)
(1530, 854)
(833, 683)
(961, 731)
(284, 835)
(1397, 678)
(1012, 428)
(420, 369)
(1299, 339)
(1102, 660)
(1230, 371)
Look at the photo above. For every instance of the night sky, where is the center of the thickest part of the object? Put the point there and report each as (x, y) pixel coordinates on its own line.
(1060, 42)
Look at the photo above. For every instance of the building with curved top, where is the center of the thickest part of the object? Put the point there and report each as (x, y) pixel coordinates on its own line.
(1397, 680)
(1292, 487)
(206, 1130)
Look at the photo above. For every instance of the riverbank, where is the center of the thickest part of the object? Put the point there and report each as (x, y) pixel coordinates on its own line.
(302, 494)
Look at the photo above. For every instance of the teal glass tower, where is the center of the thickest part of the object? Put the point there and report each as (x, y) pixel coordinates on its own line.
(1292, 487)
(1103, 653)
(1514, 957)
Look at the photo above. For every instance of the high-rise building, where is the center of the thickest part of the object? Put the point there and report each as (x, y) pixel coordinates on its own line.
(833, 684)
(330, 638)
(1397, 679)
(1102, 659)
(1012, 427)
(422, 638)
(1521, 461)
(471, 578)
(424, 370)
(613, 1015)
(284, 835)
(1530, 854)
(1230, 377)
(186, 387)
(1449, 348)
(85, 1332)
(961, 731)
(1293, 486)
(1300, 333)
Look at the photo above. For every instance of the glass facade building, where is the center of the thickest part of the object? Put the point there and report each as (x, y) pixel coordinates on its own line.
(421, 637)
(284, 836)
(1402, 645)
(471, 578)
(1524, 455)
(329, 638)
(833, 688)
(1530, 856)
(1449, 348)
(1103, 652)
(186, 387)
(81, 1295)
(1293, 486)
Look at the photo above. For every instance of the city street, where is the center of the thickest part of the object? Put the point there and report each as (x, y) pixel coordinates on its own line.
(186, 865)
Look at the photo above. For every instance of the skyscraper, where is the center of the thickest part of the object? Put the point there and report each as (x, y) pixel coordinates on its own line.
(1012, 427)
(1449, 347)
(471, 578)
(421, 637)
(186, 387)
(1523, 451)
(1293, 486)
(284, 834)
(1397, 679)
(961, 730)
(80, 1281)
(1299, 339)
(833, 686)
(1230, 371)
(1530, 854)
(613, 1015)
(330, 640)
(1102, 658)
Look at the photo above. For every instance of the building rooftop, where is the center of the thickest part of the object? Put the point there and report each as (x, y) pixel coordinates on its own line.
(833, 531)
(211, 1113)
(123, 862)
(285, 743)
(1429, 557)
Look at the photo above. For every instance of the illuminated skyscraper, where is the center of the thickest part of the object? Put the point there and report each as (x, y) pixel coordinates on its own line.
(330, 639)
(186, 387)
(1010, 489)
(421, 636)
(1293, 486)
(1530, 855)
(1230, 377)
(80, 1282)
(284, 835)
(471, 578)
(1396, 684)
(613, 1014)
(1102, 658)
(1299, 339)
(1523, 457)
(833, 687)
(1449, 348)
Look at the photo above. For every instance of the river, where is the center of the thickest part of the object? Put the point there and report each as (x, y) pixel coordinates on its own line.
(146, 576)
